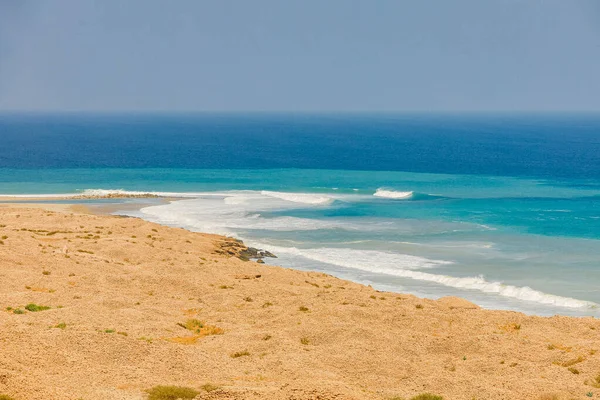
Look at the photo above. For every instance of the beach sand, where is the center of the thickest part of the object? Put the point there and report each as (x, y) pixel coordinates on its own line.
(124, 292)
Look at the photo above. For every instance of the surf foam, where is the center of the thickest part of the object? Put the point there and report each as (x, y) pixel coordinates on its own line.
(305, 198)
(392, 194)
(406, 266)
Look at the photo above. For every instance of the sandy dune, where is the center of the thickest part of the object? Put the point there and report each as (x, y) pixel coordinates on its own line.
(124, 293)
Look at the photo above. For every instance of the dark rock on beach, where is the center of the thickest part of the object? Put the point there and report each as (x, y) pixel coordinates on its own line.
(236, 248)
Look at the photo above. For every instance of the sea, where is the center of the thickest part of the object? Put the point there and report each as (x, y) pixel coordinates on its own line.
(500, 209)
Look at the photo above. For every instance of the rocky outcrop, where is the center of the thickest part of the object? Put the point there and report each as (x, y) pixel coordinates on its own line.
(237, 248)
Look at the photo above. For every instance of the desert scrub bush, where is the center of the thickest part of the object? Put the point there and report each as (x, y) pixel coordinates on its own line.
(427, 396)
(46, 272)
(199, 328)
(18, 311)
(594, 382)
(512, 327)
(6, 397)
(171, 393)
(267, 304)
(209, 387)
(35, 307)
(62, 325)
(303, 308)
(192, 325)
(419, 306)
(570, 363)
(305, 341)
(239, 354)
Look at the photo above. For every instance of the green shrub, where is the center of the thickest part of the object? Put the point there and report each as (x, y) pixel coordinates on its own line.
(6, 397)
(171, 393)
(35, 308)
(427, 396)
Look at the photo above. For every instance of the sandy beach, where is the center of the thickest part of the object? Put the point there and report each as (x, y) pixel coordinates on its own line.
(132, 305)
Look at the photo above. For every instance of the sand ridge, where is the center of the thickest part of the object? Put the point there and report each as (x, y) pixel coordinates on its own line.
(122, 292)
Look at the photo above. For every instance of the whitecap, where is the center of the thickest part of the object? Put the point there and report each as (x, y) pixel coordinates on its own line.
(305, 198)
(392, 194)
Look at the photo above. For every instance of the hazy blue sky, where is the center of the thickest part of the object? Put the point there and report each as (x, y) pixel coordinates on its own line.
(302, 55)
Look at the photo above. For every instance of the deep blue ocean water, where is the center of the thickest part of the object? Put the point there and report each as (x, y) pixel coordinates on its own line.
(500, 209)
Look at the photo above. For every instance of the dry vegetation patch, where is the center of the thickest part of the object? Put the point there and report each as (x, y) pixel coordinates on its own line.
(571, 362)
(199, 328)
(595, 382)
(238, 354)
(171, 393)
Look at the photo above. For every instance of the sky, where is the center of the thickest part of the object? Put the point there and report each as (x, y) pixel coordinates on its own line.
(300, 55)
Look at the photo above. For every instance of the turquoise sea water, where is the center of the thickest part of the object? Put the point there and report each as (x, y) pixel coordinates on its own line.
(512, 222)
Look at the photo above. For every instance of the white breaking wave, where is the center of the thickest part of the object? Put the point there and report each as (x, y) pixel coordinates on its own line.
(227, 212)
(360, 259)
(304, 198)
(392, 194)
(406, 266)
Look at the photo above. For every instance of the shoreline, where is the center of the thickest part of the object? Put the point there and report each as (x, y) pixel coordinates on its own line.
(121, 294)
(109, 209)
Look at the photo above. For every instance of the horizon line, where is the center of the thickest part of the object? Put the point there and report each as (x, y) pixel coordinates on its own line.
(298, 112)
